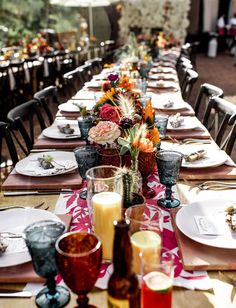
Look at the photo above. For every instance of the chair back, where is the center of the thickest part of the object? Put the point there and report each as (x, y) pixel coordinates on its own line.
(219, 117)
(46, 98)
(5, 135)
(188, 83)
(22, 120)
(204, 95)
(73, 82)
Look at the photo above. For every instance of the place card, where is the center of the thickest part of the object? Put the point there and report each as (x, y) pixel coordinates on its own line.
(212, 225)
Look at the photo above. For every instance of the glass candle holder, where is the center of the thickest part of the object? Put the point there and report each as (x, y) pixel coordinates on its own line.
(104, 199)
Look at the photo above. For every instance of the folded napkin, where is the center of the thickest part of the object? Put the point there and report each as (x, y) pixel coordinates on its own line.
(45, 68)
(12, 81)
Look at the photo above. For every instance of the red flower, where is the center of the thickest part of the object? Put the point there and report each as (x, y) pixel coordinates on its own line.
(109, 113)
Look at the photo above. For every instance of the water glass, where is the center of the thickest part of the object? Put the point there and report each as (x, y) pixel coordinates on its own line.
(104, 199)
(86, 157)
(157, 281)
(161, 124)
(84, 125)
(168, 165)
(40, 238)
(146, 223)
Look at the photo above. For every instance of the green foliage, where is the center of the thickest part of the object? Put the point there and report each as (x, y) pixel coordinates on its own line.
(28, 17)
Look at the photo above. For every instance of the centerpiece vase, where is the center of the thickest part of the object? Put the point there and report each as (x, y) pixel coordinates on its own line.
(146, 166)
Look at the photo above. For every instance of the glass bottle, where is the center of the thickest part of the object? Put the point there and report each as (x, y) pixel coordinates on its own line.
(123, 285)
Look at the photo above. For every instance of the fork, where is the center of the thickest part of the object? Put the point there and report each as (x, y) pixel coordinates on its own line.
(214, 185)
(189, 141)
(4, 208)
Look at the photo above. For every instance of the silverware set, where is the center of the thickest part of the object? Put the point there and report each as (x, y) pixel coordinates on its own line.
(190, 141)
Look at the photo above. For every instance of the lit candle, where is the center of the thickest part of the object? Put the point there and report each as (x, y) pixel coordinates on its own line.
(106, 209)
(149, 243)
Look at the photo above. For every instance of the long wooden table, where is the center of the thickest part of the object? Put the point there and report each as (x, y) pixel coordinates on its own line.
(220, 296)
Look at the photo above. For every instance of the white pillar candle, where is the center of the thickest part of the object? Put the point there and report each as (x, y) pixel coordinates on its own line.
(106, 209)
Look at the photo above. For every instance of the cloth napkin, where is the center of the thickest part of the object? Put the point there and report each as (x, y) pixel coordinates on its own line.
(45, 68)
(27, 74)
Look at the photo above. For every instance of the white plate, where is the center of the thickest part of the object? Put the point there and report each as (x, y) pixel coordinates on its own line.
(187, 225)
(54, 133)
(161, 84)
(165, 77)
(213, 158)
(187, 124)
(178, 105)
(15, 221)
(165, 70)
(70, 107)
(93, 84)
(29, 165)
(84, 95)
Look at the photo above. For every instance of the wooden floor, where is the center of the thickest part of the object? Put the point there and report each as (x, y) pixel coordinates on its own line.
(219, 71)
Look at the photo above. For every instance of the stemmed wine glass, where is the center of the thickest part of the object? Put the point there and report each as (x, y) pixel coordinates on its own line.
(79, 256)
(40, 238)
(86, 157)
(168, 164)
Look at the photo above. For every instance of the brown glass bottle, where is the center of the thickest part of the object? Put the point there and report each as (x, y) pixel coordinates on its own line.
(123, 286)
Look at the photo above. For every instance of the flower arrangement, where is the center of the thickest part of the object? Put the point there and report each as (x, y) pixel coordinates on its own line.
(105, 132)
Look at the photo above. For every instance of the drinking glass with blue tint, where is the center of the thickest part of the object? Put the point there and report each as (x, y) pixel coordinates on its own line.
(168, 165)
(86, 157)
(40, 238)
(161, 124)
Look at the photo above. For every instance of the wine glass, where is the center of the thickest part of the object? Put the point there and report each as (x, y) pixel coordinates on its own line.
(79, 256)
(86, 157)
(168, 164)
(40, 238)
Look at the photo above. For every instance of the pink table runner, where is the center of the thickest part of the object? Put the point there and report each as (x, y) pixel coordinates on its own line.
(78, 208)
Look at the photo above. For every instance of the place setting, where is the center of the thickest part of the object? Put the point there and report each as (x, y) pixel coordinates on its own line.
(63, 129)
(163, 85)
(35, 172)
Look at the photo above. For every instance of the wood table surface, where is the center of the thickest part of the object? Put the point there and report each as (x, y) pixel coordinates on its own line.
(220, 296)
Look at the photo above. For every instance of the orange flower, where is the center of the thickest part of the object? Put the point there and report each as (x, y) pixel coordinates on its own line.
(149, 114)
(143, 144)
(153, 135)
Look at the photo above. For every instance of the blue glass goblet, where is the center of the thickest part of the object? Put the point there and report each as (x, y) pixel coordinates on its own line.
(84, 125)
(168, 164)
(86, 157)
(40, 238)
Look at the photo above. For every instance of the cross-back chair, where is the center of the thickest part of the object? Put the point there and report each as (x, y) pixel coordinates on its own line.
(26, 121)
(190, 79)
(73, 82)
(219, 118)
(6, 136)
(47, 98)
(205, 93)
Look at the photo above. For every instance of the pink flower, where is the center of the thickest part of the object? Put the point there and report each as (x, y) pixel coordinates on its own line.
(104, 132)
(108, 112)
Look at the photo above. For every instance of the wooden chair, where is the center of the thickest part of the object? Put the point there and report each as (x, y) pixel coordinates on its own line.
(184, 66)
(26, 121)
(228, 144)
(6, 136)
(47, 98)
(73, 82)
(188, 83)
(204, 95)
(96, 65)
(220, 115)
(87, 71)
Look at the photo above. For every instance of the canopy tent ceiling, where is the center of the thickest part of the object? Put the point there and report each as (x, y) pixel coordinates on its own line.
(84, 3)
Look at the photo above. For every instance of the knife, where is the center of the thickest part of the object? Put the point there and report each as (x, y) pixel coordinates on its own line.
(43, 192)
(14, 293)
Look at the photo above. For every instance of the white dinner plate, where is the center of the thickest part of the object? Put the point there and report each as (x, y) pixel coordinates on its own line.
(93, 84)
(162, 84)
(187, 124)
(63, 162)
(54, 133)
(213, 158)
(166, 77)
(187, 225)
(70, 106)
(15, 221)
(177, 105)
(87, 95)
(166, 70)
